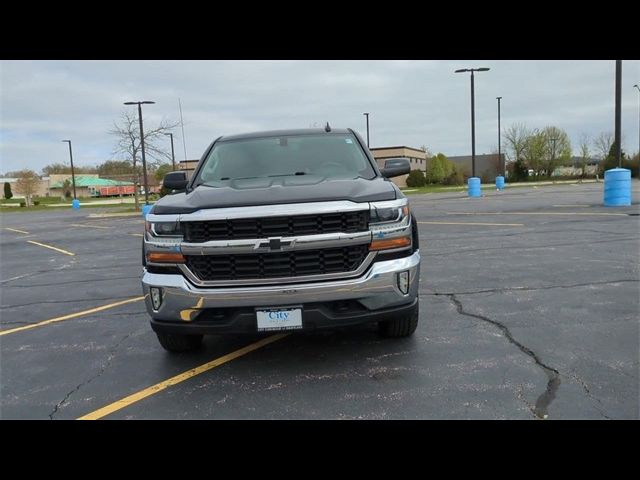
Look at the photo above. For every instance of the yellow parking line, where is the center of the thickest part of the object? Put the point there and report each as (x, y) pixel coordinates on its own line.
(87, 226)
(51, 247)
(137, 234)
(16, 230)
(537, 213)
(71, 315)
(475, 223)
(158, 387)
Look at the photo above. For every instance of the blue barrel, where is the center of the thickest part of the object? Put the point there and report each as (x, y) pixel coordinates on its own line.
(617, 187)
(75, 204)
(500, 182)
(145, 210)
(474, 187)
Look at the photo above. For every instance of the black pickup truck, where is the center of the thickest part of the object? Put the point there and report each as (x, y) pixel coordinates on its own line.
(281, 230)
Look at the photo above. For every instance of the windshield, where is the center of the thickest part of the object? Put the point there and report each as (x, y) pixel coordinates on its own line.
(335, 155)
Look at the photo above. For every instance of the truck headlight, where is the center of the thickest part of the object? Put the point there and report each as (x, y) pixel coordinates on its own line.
(381, 214)
(164, 229)
(390, 225)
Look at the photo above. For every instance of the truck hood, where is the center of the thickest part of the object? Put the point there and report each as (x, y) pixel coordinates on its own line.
(276, 190)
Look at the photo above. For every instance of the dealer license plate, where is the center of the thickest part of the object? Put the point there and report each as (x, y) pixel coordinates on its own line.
(279, 319)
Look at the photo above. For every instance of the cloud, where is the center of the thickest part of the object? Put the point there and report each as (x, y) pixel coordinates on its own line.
(410, 102)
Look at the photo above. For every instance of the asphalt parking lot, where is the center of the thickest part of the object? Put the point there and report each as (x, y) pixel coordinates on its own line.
(529, 310)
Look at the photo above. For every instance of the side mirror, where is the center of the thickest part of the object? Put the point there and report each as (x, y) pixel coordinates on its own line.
(175, 181)
(394, 167)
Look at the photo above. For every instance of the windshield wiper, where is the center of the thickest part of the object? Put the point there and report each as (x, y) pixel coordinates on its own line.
(288, 174)
(238, 178)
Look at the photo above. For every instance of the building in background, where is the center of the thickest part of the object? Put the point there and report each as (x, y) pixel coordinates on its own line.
(188, 166)
(417, 159)
(90, 185)
(41, 187)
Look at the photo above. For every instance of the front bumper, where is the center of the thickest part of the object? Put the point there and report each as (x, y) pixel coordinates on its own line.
(374, 296)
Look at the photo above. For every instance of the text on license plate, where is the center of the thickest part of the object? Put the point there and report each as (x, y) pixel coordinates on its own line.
(279, 319)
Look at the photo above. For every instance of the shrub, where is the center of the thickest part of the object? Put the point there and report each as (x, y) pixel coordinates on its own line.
(517, 171)
(7, 191)
(456, 177)
(36, 202)
(416, 179)
(23, 204)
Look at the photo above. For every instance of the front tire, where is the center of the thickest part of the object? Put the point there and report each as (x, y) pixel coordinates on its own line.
(177, 343)
(401, 327)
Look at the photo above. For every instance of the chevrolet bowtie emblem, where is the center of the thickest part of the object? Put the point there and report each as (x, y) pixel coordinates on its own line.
(274, 244)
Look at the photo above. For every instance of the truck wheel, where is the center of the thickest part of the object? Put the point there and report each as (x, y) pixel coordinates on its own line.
(401, 327)
(179, 343)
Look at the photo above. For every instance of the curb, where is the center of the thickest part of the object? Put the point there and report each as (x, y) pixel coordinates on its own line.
(122, 214)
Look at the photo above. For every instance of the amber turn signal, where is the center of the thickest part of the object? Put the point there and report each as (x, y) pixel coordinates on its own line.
(388, 243)
(165, 257)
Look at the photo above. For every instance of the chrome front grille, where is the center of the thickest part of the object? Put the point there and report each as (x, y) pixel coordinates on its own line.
(265, 227)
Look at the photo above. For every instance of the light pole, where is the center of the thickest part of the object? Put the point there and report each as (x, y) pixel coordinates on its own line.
(144, 160)
(504, 167)
(367, 115)
(473, 120)
(173, 156)
(638, 88)
(618, 121)
(73, 175)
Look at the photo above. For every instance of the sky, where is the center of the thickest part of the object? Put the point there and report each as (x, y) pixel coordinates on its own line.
(411, 103)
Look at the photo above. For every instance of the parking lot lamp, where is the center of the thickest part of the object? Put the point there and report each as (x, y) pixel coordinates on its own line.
(473, 120)
(73, 175)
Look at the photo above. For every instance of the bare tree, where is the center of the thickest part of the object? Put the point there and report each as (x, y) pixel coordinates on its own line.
(426, 151)
(585, 153)
(127, 133)
(516, 139)
(602, 144)
(27, 184)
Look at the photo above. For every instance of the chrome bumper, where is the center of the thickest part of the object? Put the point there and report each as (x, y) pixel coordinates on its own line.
(376, 289)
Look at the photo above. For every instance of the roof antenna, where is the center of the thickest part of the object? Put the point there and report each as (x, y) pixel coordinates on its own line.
(327, 128)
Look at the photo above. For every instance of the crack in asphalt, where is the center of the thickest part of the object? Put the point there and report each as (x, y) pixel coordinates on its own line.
(104, 367)
(525, 289)
(33, 274)
(590, 395)
(544, 400)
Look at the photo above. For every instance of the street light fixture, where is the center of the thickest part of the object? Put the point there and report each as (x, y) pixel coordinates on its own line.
(473, 121)
(73, 175)
(367, 115)
(144, 161)
(173, 156)
(504, 167)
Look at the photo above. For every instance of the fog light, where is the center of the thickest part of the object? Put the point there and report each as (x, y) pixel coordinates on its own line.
(403, 282)
(156, 297)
